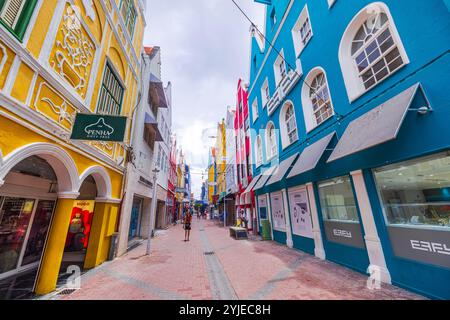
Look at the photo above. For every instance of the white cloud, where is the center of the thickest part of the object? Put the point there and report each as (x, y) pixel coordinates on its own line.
(205, 47)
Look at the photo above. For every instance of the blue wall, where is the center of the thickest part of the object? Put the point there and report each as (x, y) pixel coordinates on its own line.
(426, 39)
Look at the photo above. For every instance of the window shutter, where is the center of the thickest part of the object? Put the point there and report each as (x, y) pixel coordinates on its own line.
(11, 12)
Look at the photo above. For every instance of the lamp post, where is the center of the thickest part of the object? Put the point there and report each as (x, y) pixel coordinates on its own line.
(152, 210)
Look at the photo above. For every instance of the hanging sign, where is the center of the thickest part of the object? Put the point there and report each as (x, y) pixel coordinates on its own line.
(279, 220)
(300, 214)
(96, 127)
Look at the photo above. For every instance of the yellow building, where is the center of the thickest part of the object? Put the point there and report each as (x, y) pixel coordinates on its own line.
(221, 154)
(57, 59)
(212, 176)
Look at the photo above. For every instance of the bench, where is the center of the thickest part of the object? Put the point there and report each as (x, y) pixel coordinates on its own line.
(238, 233)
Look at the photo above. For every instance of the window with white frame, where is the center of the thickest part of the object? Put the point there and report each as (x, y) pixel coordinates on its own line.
(320, 98)
(16, 14)
(302, 31)
(280, 68)
(289, 125)
(316, 99)
(370, 50)
(271, 141)
(374, 50)
(111, 93)
(255, 110)
(129, 15)
(265, 93)
(259, 153)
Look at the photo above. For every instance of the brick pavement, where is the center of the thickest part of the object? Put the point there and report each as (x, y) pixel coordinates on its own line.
(245, 269)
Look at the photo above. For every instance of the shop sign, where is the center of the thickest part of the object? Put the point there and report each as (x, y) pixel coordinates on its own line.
(428, 246)
(279, 220)
(95, 127)
(300, 213)
(347, 233)
(262, 205)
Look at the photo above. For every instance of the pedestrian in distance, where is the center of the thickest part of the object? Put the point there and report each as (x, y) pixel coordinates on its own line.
(187, 225)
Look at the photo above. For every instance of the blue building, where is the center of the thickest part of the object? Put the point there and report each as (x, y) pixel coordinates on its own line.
(350, 120)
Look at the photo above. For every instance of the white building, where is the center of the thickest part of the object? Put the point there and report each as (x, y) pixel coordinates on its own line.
(150, 134)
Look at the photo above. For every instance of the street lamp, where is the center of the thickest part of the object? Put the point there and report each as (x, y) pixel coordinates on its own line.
(153, 210)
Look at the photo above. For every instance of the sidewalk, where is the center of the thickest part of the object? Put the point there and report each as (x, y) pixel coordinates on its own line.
(214, 266)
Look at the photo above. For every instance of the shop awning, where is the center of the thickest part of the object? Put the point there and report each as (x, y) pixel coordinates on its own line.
(284, 167)
(252, 184)
(265, 176)
(310, 156)
(152, 124)
(157, 94)
(379, 125)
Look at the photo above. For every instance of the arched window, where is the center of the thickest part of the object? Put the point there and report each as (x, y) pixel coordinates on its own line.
(370, 50)
(288, 125)
(271, 141)
(316, 99)
(259, 152)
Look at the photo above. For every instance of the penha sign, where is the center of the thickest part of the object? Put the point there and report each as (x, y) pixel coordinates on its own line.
(96, 127)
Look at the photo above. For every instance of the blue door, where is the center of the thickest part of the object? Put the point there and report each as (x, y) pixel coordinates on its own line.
(135, 219)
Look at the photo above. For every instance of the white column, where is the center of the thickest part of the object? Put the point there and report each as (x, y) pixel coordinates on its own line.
(373, 243)
(269, 213)
(287, 218)
(319, 251)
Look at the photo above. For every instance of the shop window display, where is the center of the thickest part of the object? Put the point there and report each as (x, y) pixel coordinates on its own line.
(337, 200)
(416, 193)
(15, 216)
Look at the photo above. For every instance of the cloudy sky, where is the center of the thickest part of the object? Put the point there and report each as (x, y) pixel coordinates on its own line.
(205, 47)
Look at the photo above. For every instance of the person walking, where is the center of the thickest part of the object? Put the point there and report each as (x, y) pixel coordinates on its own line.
(187, 225)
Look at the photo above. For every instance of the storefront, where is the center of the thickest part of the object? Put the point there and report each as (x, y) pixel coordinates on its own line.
(414, 200)
(341, 224)
(301, 220)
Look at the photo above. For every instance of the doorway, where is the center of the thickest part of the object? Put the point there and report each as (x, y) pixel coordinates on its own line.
(27, 204)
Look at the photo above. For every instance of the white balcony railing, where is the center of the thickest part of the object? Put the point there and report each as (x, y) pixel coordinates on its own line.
(284, 87)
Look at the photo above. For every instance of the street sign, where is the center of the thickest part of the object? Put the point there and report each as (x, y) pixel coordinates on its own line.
(96, 127)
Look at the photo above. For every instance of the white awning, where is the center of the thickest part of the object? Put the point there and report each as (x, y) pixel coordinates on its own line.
(377, 126)
(252, 184)
(264, 177)
(310, 156)
(284, 166)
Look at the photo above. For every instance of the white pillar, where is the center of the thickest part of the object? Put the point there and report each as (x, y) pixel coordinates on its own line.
(373, 243)
(269, 213)
(319, 251)
(287, 218)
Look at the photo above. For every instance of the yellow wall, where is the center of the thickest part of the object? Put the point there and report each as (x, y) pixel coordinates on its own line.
(59, 75)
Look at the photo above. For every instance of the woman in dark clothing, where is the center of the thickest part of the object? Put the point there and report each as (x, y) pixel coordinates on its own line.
(187, 225)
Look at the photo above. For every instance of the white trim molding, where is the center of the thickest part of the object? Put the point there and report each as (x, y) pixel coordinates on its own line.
(68, 195)
(319, 250)
(107, 200)
(102, 180)
(373, 243)
(287, 216)
(61, 162)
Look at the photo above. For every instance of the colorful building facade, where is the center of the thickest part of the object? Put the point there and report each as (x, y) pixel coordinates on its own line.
(57, 59)
(350, 124)
(245, 200)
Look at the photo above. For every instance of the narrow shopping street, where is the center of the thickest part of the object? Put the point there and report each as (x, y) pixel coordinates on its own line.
(214, 266)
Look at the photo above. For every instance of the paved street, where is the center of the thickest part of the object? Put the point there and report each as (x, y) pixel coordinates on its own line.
(214, 266)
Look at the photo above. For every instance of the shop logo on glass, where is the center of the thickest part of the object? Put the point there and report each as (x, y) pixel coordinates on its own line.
(342, 233)
(433, 247)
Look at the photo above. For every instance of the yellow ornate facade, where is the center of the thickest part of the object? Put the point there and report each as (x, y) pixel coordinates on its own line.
(53, 61)
(221, 147)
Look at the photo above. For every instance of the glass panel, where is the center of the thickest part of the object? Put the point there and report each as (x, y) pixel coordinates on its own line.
(38, 233)
(15, 217)
(337, 200)
(416, 192)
